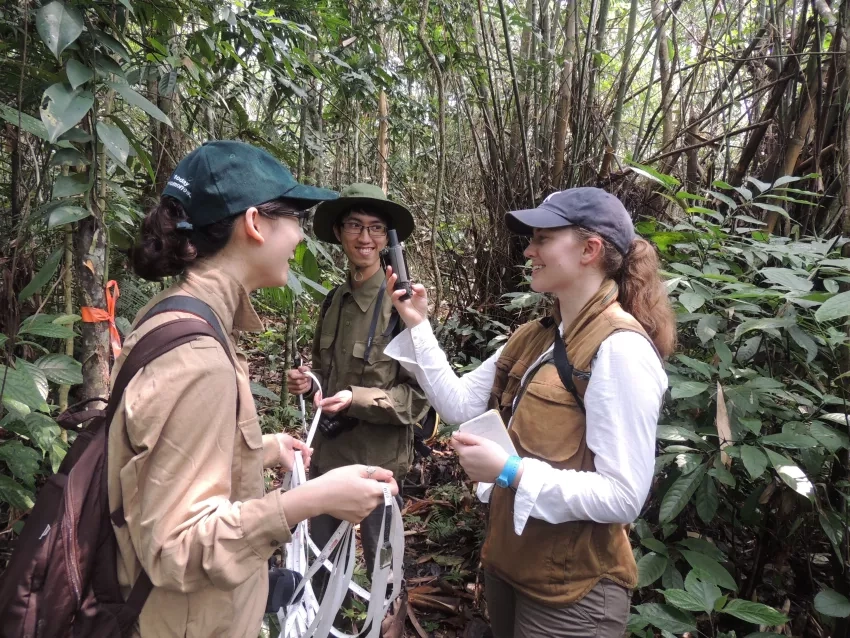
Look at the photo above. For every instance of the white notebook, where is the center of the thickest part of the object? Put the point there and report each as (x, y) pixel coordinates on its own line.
(490, 426)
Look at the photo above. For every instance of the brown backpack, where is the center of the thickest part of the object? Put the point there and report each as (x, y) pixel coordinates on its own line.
(62, 579)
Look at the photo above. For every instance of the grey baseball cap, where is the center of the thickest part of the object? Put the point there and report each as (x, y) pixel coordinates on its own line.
(588, 207)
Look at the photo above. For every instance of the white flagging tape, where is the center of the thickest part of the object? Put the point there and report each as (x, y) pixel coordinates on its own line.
(310, 618)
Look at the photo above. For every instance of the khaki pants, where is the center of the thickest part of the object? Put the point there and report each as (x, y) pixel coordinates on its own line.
(602, 613)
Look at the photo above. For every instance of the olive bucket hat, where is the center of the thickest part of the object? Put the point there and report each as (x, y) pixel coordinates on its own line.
(223, 178)
(366, 197)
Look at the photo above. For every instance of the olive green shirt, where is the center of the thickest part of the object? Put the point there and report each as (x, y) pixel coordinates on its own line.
(386, 402)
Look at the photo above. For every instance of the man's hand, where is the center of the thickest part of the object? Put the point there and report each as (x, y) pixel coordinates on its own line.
(337, 403)
(298, 382)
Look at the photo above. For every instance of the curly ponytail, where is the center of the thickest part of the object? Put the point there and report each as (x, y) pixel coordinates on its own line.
(642, 293)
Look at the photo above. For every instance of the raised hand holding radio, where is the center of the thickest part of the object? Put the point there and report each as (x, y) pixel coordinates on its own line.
(395, 256)
(413, 309)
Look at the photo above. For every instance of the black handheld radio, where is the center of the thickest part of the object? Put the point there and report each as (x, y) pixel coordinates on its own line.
(395, 255)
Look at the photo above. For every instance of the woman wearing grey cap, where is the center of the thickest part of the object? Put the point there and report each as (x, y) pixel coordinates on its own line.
(580, 392)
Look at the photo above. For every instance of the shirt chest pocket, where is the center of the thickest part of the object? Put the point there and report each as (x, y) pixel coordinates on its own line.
(248, 477)
(379, 371)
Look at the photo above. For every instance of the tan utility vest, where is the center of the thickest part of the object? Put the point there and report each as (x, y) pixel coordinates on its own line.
(555, 564)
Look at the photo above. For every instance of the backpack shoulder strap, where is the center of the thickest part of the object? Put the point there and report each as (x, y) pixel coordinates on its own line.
(326, 302)
(191, 305)
(565, 369)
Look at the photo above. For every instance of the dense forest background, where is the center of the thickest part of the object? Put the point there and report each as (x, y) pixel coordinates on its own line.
(722, 124)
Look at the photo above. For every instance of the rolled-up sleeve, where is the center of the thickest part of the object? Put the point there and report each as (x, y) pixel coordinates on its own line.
(180, 413)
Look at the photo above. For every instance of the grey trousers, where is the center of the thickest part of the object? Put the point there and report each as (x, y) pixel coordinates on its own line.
(602, 613)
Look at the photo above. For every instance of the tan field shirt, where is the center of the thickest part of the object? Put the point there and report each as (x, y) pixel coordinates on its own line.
(190, 479)
(387, 401)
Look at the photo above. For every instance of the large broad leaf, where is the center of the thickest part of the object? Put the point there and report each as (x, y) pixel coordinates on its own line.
(130, 96)
(42, 276)
(706, 593)
(691, 301)
(78, 73)
(831, 603)
(707, 500)
(58, 24)
(45, 326)
(114, 141)
(111, 43)
(261, 391)
(684, 600)
(29, 123)
(833, 526)
(60, 368)
(803, 340)
(688, 389)
(667, 618)
(790, 441)
(20, 387)
(66, 214)
(834, 308)
(43, 431)
(62, 108)
(792, 475)
(755, 613)
(38, 377)
(650, 568)
(709, 570)
(831, 439)
(764, 324)
(23, 462)
(680, 493)
(786, 278)
(70, 185)
(754, 460)
(15, 494)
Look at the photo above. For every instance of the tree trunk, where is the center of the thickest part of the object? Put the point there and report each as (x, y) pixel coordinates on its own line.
(383, 141)
(565, 95)
(617, 119)
(667, 125)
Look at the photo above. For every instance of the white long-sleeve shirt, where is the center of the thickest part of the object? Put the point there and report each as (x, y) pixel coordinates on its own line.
(623, 400)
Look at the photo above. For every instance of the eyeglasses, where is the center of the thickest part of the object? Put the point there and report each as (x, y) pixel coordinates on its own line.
(301, 215)
(355, 228)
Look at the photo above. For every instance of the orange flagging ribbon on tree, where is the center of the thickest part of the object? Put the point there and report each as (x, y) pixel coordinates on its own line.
(95, 315)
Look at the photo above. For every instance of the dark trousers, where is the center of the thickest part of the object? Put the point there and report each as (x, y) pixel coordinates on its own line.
(603, 612)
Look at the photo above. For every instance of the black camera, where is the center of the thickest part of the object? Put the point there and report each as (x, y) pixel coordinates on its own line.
(394, 254)
(332, 425)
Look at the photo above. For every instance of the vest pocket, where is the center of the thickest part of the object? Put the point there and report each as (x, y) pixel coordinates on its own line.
(549, 424)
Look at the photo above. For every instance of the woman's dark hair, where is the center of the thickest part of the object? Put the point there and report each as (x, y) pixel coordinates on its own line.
(163, 250)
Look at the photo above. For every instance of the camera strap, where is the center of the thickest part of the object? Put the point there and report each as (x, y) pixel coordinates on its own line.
(309, 617)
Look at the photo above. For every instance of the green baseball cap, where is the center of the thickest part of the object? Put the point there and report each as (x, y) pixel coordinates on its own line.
(366, 197)
(223, 178)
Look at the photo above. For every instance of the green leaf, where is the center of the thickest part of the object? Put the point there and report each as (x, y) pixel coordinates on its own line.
(78, 73)
(60, 368)
(691, 301)
(654, 545)
(28, 122)
(650, 568)
(44, 326)
(66, 214)
(709, 570)
(15, 494)
(21, 387)
(702, 546)
(23, 462)
(786, 278)
(42, 429)
(695, 364)
(680, 493)
(42, 276)
(59, 24)
(131, 97)
(805, 342)
(70, 185)
(836, 307)
(762, 186)
(687, 389)
(261, 391)
(754, 460)
(111, 43)
(792, 475)
(789, 441)
(62, 108)
(683, 600)
(833, 526)
(672, 579)
(772, 208)
(830, 603)
(114, 141)
(831, 439)
(707, 500)
(69, 157)
(755, 613)
(706, 593)
(725, 199)
(770, 323)
(785, 179)
(667, 618)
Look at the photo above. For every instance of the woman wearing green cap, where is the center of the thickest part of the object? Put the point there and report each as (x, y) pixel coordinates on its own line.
(580, 393)
(186, 454)
(373, 403)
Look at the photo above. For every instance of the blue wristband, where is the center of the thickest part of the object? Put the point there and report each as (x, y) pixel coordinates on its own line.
(506, 478)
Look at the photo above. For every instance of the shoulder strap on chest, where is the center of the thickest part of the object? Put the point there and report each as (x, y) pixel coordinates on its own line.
(565, 370)
(193, 306)
(326, 302)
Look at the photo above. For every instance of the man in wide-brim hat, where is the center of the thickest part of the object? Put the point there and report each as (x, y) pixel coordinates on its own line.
(371, 400)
